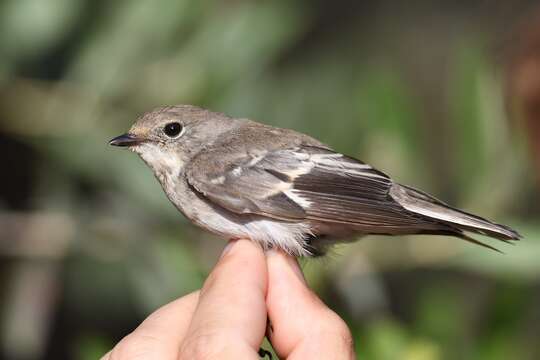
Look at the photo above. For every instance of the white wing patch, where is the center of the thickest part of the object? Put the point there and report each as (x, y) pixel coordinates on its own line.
(256, 159)
(332, 162)
(220, 180)
(295, 196)
(305, 164)
(237, 171)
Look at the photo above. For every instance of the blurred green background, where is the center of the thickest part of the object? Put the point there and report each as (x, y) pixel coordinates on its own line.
(443, 95)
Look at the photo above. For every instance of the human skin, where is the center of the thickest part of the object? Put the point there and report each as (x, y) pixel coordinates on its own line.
(227, 318)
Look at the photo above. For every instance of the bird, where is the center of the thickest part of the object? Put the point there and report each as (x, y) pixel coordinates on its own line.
(283, 189)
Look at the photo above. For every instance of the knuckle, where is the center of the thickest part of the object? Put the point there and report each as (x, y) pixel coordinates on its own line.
(339, 333)
(343, 332)
(135, 346)
(202, 346)
(344, 341)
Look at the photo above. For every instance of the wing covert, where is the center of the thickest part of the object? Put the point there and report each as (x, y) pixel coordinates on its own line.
(305, 182)
(247, 183)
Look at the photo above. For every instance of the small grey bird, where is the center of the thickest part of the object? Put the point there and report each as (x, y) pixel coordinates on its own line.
(241, 179)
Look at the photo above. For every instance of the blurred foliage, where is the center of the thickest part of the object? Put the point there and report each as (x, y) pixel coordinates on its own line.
(89, 245)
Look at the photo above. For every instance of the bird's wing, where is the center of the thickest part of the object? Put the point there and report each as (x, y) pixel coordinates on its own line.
(305, 182)
(244, 183)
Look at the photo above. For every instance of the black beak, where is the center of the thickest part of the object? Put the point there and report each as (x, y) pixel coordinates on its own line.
(125, 140)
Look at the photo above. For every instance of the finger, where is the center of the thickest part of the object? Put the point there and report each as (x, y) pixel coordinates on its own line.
(302, 326)
(230, 319)
(160, 335)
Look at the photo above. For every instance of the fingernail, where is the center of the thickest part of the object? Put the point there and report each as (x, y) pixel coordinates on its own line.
(228, 248)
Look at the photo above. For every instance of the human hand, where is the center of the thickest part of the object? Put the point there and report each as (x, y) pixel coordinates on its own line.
(227, 318)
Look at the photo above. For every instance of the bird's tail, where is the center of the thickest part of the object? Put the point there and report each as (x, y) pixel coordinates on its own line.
(456, 220)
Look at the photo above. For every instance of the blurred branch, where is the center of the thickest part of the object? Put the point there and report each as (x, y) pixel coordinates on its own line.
(28, 308)
(35, 235)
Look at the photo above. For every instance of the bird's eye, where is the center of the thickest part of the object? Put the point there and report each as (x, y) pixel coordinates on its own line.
(172, 129)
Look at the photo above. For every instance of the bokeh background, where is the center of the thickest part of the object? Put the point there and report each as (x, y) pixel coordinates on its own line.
(443, 95)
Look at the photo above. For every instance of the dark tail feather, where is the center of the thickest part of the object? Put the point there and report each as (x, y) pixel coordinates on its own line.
(474, 241)
(447, 230)
(457, 220)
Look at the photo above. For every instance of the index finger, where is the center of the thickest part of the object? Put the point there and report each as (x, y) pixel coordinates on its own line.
(230, 318)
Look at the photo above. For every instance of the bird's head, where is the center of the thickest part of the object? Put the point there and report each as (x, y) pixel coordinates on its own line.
(167, 137)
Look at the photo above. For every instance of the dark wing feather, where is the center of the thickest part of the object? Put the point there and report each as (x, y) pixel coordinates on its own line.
(304, 183)
(344, 190)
